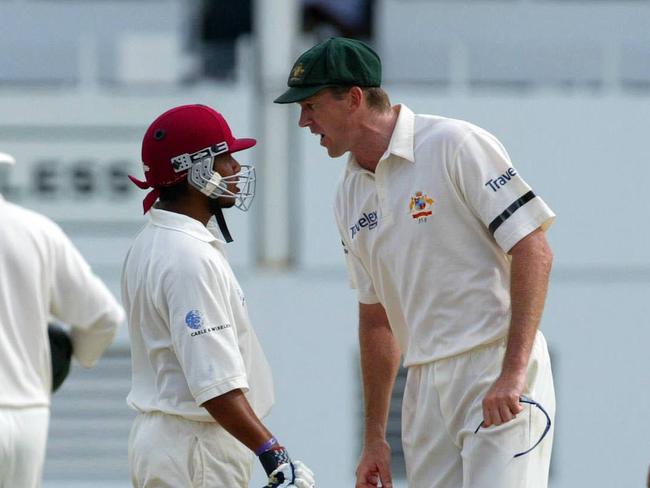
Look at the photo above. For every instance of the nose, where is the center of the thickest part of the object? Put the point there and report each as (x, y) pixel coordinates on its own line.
(304, 120)
(236, 167)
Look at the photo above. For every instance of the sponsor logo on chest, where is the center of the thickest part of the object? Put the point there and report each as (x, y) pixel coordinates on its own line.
(502, 180)
(368, 221)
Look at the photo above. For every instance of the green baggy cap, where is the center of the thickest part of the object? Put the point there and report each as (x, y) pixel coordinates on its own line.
(336, 62)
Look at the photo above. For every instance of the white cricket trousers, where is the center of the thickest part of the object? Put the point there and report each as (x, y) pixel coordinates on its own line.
(442, 408)
(167, 451)
(23, 437)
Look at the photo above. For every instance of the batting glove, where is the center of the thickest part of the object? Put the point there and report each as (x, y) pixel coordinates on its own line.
(284, 473)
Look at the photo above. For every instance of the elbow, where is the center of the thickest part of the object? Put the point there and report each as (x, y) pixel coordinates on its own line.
(533, 249)
(90, 344)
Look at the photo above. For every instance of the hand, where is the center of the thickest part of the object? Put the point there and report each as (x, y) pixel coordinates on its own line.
(293, 474)
(283, 472)
(501, 403)
(374, 466)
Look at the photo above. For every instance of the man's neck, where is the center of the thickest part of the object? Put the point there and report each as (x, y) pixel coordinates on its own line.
(185, 209)
(373, 138)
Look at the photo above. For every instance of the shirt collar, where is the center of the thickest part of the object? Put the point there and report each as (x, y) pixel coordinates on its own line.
(187, 225)
(401, 141)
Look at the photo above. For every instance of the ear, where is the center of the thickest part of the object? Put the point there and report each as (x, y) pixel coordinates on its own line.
(355, 98)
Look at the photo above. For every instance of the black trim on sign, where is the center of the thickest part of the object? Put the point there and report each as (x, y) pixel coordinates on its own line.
(507, 213)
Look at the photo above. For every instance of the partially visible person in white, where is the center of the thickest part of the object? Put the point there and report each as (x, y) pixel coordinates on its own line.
(42, 275)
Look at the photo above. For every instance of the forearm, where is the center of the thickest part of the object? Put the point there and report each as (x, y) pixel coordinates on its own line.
(380, 356)
(530, 271)
(233, 412)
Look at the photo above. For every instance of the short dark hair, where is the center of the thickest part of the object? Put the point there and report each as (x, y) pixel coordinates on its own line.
(376, 97)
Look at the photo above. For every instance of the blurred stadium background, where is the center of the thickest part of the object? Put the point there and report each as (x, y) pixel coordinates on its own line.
(565, 84)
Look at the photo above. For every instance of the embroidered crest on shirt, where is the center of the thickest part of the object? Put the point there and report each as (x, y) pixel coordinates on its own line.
(420, 206)
(193, 319)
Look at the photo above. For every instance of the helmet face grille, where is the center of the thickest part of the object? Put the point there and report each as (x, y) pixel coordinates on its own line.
(246, 182)
(203, 177)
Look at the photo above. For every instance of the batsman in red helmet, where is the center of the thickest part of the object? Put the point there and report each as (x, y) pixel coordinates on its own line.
(201, 381)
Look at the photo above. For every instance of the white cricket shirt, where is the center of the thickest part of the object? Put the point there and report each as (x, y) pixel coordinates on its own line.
(42, 275)
(191, 338)
(427, 234)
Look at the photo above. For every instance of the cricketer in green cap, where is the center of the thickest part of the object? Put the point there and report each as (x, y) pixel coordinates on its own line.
(336, 62)
(424, 235)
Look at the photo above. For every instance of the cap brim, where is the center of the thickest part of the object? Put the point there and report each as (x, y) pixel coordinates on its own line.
(298, 93)
(241, 144)
(7, 159)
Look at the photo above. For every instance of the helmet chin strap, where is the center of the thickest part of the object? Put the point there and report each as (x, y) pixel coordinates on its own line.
(222, 225)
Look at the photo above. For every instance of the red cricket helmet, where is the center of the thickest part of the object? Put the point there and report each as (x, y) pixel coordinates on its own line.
(182, 131)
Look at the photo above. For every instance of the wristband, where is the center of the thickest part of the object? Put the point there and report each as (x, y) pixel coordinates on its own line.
(274, 458)
(266, 446)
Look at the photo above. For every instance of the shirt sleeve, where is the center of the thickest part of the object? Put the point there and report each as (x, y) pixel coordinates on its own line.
(358, 277)
(80, 299)
(495, 191)
(202, 329)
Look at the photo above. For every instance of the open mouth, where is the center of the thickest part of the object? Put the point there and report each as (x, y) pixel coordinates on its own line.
(320, 135)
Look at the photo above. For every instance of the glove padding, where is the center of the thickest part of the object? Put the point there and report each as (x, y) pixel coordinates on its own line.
(284, 473)
(293, 474)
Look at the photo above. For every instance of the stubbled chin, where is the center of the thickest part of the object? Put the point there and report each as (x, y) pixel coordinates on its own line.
(331, 152)
(334, 154)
